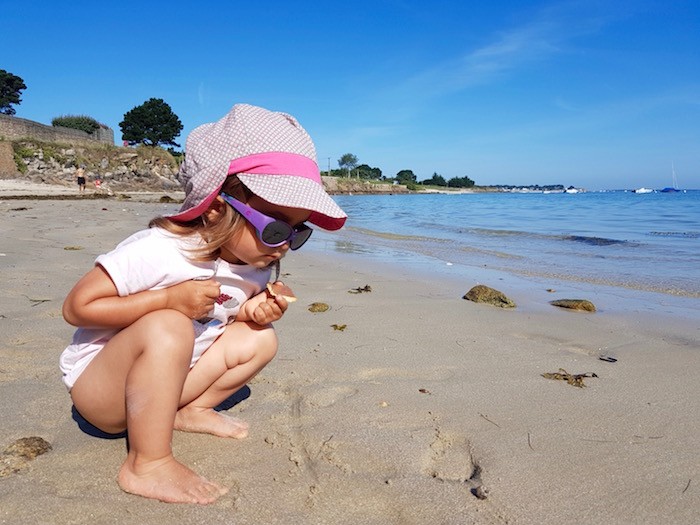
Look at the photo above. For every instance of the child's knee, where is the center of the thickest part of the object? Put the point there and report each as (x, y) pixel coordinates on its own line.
(170, 331)
(170, 322)
(267, 345)
(252, 344)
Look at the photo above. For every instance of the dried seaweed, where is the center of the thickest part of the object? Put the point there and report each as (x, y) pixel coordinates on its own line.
(492, 422)
(572, 379)
(318, 307)
(361, 289)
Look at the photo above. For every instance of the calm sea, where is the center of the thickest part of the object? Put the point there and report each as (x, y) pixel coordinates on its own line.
(648, 242)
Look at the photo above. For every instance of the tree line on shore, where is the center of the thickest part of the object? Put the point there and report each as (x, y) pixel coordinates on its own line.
(349, 166)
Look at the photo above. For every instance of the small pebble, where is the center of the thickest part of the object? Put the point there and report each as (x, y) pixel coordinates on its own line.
(481, 492)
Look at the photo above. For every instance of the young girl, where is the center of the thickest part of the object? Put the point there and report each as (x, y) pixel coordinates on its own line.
(177, 318)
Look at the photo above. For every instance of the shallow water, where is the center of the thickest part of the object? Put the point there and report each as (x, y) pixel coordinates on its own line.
(645, 242)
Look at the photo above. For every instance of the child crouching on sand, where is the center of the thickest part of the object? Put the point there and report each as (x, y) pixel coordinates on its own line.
(177, 318)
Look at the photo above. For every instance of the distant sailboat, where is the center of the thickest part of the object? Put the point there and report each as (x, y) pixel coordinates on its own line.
(673, 189)
(644, 190)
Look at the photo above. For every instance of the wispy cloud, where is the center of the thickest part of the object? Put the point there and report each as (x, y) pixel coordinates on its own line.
(612, 118)
(547, 33)
(201, 96)
(565, 105)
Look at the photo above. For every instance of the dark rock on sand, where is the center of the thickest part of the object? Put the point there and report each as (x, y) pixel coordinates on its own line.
(16, 456)
(485, 294)
(574, 304)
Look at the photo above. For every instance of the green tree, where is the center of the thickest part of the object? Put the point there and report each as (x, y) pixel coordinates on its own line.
(436, 180)
(405, 177)
(460, 182)
(152, 123)
(347, 162)
(11, 87)
(366, 172)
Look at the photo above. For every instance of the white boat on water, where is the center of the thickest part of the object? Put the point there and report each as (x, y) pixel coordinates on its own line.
(643, 190)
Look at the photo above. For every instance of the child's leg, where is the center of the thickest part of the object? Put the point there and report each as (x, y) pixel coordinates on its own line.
(135, 382)
(233, 360)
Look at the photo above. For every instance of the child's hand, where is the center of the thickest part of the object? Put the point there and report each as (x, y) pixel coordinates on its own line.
(270, 310)
(263, 309)
(195, 299)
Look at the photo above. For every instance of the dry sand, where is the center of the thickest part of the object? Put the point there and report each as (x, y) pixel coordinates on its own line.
(393, 420)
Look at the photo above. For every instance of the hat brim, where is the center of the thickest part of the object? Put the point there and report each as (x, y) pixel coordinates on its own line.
(196, 202)
(297, 192)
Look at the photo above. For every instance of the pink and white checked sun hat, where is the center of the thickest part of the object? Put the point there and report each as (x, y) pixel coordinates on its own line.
(271, 154)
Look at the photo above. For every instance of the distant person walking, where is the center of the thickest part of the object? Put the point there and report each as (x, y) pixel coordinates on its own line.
(80, 178)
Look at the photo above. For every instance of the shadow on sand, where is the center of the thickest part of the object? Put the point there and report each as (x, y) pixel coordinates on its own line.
(92, 430)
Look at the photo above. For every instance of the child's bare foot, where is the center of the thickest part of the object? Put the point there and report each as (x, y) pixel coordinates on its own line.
(167, 480)
(209, 421)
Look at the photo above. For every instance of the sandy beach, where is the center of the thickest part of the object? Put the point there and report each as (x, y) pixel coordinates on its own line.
(421, 401)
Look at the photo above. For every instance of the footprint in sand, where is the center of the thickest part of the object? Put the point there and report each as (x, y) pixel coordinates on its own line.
(450, 460)
(329, 396)
(369, 374)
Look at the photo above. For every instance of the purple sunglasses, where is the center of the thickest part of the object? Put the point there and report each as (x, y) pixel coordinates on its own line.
(271, 232)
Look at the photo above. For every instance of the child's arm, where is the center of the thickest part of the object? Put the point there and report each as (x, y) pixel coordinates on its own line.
(262, 309)
(95, 303)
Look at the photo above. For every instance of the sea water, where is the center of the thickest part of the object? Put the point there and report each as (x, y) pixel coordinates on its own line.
(619, 239)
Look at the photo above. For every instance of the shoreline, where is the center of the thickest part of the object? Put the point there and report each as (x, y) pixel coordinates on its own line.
(18, 189)
(23, 189)
(398, 418)
(531, 291)
(630, 298)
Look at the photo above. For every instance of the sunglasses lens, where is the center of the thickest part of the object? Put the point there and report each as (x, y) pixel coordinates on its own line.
(276, 233)
(302, 235)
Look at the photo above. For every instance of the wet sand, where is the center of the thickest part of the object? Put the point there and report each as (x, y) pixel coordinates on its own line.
(397, 419)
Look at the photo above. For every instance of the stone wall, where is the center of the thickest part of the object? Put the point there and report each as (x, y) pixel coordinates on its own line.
(8, 168)
(345, 185)
(142, 168)
(14, 128)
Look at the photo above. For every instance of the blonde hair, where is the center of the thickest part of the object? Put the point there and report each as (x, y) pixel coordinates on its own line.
(215, 233)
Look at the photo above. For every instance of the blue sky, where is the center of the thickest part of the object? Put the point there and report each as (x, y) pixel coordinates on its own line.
(595, 94)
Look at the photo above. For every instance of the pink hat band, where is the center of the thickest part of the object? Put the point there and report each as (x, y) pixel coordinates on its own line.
(276, 163)
(269, 163)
